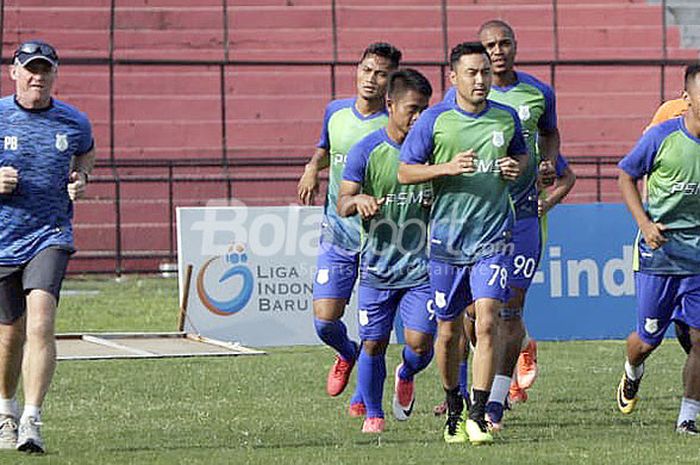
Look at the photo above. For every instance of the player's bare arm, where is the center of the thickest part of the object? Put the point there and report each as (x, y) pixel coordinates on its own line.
(549, 144)
(562, 187)
(652, 232)
(307, 188)
(8, 179)
(352, 202)
(461, 163)
(78, 178)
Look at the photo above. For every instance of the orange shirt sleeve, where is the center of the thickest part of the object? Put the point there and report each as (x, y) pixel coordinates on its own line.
(670, 109)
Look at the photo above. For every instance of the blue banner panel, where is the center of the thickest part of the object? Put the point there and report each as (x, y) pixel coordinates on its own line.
(584, 287)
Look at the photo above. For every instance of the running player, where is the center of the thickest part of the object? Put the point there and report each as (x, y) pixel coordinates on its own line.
(393, 262)
(345, 122)
(47, 155)
(667, 254)
(535, 104)
(469, 148)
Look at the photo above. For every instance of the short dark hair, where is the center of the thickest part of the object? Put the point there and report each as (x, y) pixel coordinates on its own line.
(466, 48)
(497, 23)
(406, 79)
(690, 72)
(385, 50)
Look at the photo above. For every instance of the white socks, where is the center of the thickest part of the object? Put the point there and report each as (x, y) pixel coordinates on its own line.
(31, 411)
(634, 373)
(499, 389)
(9, 407)
(689, 410)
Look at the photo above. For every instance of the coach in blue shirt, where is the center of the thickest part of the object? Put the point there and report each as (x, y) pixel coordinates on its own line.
(46, 154)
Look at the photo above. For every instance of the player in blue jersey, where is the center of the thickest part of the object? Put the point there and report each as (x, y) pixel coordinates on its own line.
(45, 158)
(470, 148)
(536, 107)
(667, 250)
(394, 261)
(345, 123)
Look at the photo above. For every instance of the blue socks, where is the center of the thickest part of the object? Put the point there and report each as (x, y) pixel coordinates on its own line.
(371, 372)
(413, 363)
(463, 385)
(335, 335)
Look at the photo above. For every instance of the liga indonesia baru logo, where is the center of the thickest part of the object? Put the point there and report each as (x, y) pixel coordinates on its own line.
(234, 265)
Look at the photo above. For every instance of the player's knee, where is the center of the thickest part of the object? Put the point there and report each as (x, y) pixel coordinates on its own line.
(486, 329)
(11, 338)
(373, 348)
(694, 339)
(329, 309)
(421, 348)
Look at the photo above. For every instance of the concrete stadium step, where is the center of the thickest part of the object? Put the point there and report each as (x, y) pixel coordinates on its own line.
(245, 132)
(171, 133)
(155, 107)
(608, 79)
(264, 107)
(281, 44)
(602, 128)
(169, 45)
(194, 17)
(616, 13)
(264, 17)
(572, 104)
(279, 80)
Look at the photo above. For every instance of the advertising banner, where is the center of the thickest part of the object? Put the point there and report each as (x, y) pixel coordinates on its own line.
(253, 272)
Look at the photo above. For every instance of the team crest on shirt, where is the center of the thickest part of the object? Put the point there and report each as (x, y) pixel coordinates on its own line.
(498, 139)
(651, 325)
(524, 112)
(62, 142)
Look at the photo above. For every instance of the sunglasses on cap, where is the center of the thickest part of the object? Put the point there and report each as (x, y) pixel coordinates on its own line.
(36, 49)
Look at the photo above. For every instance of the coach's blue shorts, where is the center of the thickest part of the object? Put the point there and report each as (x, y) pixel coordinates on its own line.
(377, 310)
(526, 252)
(661, 298)
(336, 272)
(456, 286)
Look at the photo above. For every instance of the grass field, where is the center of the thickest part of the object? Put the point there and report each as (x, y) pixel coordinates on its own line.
(273, 409)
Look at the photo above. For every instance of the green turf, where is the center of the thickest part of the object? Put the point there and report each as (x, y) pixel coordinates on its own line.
(273, 409)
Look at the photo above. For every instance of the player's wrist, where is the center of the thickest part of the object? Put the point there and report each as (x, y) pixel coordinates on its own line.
(311, 168)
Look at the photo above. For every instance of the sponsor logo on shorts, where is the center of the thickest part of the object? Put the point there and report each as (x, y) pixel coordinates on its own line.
(322, 276)
(363, 317)
(440, 299)
(651, 325)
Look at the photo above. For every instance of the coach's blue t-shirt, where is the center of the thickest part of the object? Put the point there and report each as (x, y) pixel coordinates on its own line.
(39, 144)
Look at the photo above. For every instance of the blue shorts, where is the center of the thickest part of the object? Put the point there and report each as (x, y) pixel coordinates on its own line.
(336, 272)
(661, 298)
(377, 310)
(526, 252)
(456, 286)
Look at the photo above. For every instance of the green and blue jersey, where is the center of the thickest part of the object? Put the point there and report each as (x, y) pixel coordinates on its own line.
(472, 213)
(669, 156)
(343, 127)
(394, 242)
(39, 144)
(535, 104)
